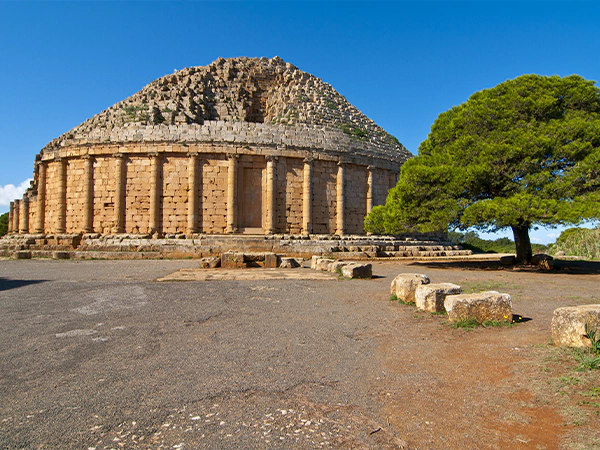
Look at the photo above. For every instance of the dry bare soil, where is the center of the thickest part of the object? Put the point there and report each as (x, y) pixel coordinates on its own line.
(99, 354)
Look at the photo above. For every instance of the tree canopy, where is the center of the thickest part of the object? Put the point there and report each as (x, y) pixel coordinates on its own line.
(522, 154)
(3, 224)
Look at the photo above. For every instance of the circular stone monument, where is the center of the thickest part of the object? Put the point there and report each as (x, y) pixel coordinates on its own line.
(242, 145)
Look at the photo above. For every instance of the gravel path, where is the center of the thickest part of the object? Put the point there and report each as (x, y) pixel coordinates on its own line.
(97, 354)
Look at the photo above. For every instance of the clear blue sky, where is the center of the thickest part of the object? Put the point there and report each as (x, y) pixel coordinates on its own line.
(402, 63)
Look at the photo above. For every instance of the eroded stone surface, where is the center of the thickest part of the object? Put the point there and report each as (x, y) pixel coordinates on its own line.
(405, 285)
(289, 263)
(430, 297)
(568, 325)
(480, 306)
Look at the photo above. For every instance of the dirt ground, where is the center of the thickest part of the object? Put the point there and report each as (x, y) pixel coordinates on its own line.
(99, 355)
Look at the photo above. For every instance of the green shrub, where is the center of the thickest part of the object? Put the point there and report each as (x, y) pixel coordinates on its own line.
(3, 224)
(581, 242)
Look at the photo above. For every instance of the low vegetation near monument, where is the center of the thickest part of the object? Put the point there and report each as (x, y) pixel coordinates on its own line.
(522, 154)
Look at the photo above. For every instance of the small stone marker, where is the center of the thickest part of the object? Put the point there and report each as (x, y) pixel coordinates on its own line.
(568, 325)
(357, 270)
(232, 260)
(481, 307)
(430, 297)
(271, 261)
(405, 285)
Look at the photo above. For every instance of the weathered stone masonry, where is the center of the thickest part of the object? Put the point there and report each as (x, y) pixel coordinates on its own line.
(295, 159)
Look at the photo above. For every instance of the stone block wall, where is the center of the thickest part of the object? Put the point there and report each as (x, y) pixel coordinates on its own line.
(213, 198)
(137, 195)
(355, 189)
(104, 194)
(289, 188)
(324, 197)
(174, 194)
(75, 195)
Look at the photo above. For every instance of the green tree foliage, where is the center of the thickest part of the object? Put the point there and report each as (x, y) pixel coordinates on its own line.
(522, 154)
(3, 224)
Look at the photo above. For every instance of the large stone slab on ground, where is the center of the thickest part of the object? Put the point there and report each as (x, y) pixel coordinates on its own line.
(357, 270)
(568, 325)
(480, 306)
(337, 266)
(430, 297)
(271, 260)
(405, 285)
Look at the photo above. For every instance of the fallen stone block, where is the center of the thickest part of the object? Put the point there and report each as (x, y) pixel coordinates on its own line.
(289, 263)
(355, 270)
(509, 260)
(313, 261)
(568, 325)
(210, 262)
(405, 285)
(337, 266)
(323, 264)
(22, 254)
(232, 260)
(271, 261)
(544, 261)
(430, 297)
(61, 255)
(481, 307)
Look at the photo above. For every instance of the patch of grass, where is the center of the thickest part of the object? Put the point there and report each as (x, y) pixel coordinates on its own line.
(393, 298)
(467, 324)
(439, 313)
(497, 323)
(587, 360)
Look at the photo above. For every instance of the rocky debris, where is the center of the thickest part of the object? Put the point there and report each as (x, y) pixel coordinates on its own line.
(481, 307)
(569, 325)
(210, 262)
(357, 270)
(430, 297)
(405, 285)
(289, 263)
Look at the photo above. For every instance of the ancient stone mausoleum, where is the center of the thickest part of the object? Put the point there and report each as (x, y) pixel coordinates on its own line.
(243, 145)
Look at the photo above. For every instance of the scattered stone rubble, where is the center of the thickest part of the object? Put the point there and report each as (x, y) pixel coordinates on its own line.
(346, 269)
(569, 325)
(439, 297)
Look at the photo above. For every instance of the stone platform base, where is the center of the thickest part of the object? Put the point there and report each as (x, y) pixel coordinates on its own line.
(130, 246)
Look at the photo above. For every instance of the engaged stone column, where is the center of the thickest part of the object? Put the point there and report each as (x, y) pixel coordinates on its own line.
(40, 210)
(24, 220)
(193, 196)
(88, 195)
(120, 193)
(155, 192)
(61, 216)
(232, 194)
(270, 218)
(11, 217)
(307, 197)
(339, 209)
(15, 217)
(370, 170)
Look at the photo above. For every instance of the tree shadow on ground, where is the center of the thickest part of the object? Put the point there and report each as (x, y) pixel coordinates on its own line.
(578, 267)
(7, 284)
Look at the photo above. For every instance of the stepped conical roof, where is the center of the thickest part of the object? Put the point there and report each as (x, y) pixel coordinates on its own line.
(240, 91)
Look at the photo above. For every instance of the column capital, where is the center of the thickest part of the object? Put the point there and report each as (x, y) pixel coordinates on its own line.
(371, 167)
(119, 155)
(271, 158)
(342, 163)
(233, 156)
(88, 157)
(192, 154)
(308, 160)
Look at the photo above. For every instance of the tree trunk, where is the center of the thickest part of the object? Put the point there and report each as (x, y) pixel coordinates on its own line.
(522, 243)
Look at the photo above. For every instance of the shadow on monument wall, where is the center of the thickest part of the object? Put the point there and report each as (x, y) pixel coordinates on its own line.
(7, 283)
(560, 266)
